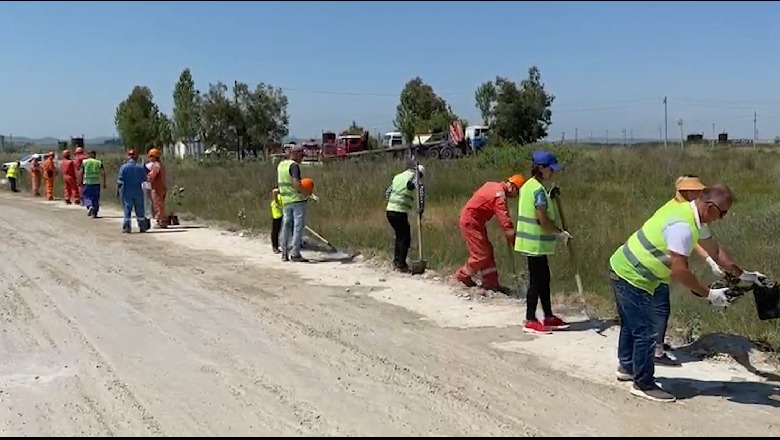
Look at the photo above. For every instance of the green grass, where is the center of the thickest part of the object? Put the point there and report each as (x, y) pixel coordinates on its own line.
(607, 194)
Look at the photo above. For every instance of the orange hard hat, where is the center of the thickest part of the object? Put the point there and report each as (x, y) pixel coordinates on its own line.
(517, 180)
(65, 153)
(79, 150)
(155, 153)
(307, 184)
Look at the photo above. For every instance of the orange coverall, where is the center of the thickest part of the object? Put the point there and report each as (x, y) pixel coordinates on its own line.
(159, 188)
(48, 177)
(70, 188)
(487, 201)
(35, 177)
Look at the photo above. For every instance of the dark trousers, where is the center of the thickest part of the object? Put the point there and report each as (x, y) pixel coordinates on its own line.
(638, 321)
(403, 237)
(276, 229)
(12, 181)
(539, 287)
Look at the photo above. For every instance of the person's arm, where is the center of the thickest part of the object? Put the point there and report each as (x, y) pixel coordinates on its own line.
(540, 201)
(295, 173)
(103, 175)
(504, 218)
(723, 259)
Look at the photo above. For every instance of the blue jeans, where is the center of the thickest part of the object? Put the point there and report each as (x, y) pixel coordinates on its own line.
(293, 223)
(91, 196)
(132, 203)
(636, 344)
(663, 307)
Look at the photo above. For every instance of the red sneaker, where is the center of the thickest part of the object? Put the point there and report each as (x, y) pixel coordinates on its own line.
(536, 328)
(555, 323)
(465, 278)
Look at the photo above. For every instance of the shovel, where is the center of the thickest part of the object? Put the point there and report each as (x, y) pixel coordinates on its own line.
(555, 193)
(420, 265)
(332, 249)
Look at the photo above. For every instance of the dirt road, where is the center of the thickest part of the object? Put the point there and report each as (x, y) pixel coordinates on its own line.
(201, 332)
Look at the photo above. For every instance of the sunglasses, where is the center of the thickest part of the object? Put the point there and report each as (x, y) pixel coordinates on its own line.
(720, 211)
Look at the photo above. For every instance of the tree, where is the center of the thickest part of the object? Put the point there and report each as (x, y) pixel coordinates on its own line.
(520, 113)
(486, 101)
(137, 119)
(187, 108)
(220, 117)
(421, 110)
(164, 130)
(263, 115)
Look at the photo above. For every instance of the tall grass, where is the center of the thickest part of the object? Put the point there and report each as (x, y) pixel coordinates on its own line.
(607, 193)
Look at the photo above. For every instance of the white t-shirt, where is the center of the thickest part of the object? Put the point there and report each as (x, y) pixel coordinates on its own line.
(679, 237)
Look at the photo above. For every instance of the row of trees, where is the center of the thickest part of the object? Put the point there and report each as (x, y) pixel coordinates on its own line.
(250, 118)
(515, 112)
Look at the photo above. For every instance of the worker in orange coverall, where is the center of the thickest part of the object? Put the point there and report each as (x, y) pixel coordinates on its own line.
(35, 174)
(49, 171)
(77, 161)
(157, 181)
(489, 200)
(70, 188)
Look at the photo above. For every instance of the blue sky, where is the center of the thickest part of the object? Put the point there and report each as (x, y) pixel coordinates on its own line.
(65, 66)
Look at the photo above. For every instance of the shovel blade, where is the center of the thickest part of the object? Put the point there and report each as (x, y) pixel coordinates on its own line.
(418, 267)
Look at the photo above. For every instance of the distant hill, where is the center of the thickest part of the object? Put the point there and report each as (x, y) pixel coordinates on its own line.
(47, 141)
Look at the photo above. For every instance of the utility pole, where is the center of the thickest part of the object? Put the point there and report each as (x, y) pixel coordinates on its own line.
(632, 137)
(607, 137)
(591, 137)
(755, 129)
(576, 130)
(682, 138)
(666, 123)
(624, 138)
(713, 135)
(563, 137)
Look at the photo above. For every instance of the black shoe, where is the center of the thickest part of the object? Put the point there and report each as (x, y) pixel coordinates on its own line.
(299, 259)
(667, 361)
(285, 256)
(403, 269)
(125, 230)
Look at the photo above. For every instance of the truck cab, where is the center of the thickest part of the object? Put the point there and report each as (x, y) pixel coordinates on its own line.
(476, 136)
(392, 139)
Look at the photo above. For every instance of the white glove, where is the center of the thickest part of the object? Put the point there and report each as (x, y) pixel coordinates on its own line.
(314, 197)
(715, 268)
(718, 297)
(753, 277)
(564, 236)
(421, 168)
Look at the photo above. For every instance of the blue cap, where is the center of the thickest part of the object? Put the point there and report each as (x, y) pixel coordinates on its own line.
(543, 157)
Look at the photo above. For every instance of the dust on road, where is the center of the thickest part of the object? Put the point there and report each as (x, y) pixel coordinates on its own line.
(200, 332)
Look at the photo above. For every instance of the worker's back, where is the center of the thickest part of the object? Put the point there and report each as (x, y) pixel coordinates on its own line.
(482, 205)
(131, 176)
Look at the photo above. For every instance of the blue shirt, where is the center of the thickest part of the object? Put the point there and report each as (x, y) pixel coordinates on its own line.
(540, 198)
(131, 176)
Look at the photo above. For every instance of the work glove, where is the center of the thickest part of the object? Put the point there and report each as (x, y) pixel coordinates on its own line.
(715, 268)
(753, 277)
(564, 236)
(314, 197)
(719, 298)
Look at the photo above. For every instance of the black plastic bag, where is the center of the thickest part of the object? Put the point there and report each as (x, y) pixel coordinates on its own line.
(767, 301)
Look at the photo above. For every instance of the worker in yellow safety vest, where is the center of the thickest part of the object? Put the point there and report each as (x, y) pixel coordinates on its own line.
(93, 175)
(294, 201)
(12, 174)
(535, 238)
(654, 255)
(276, 219)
